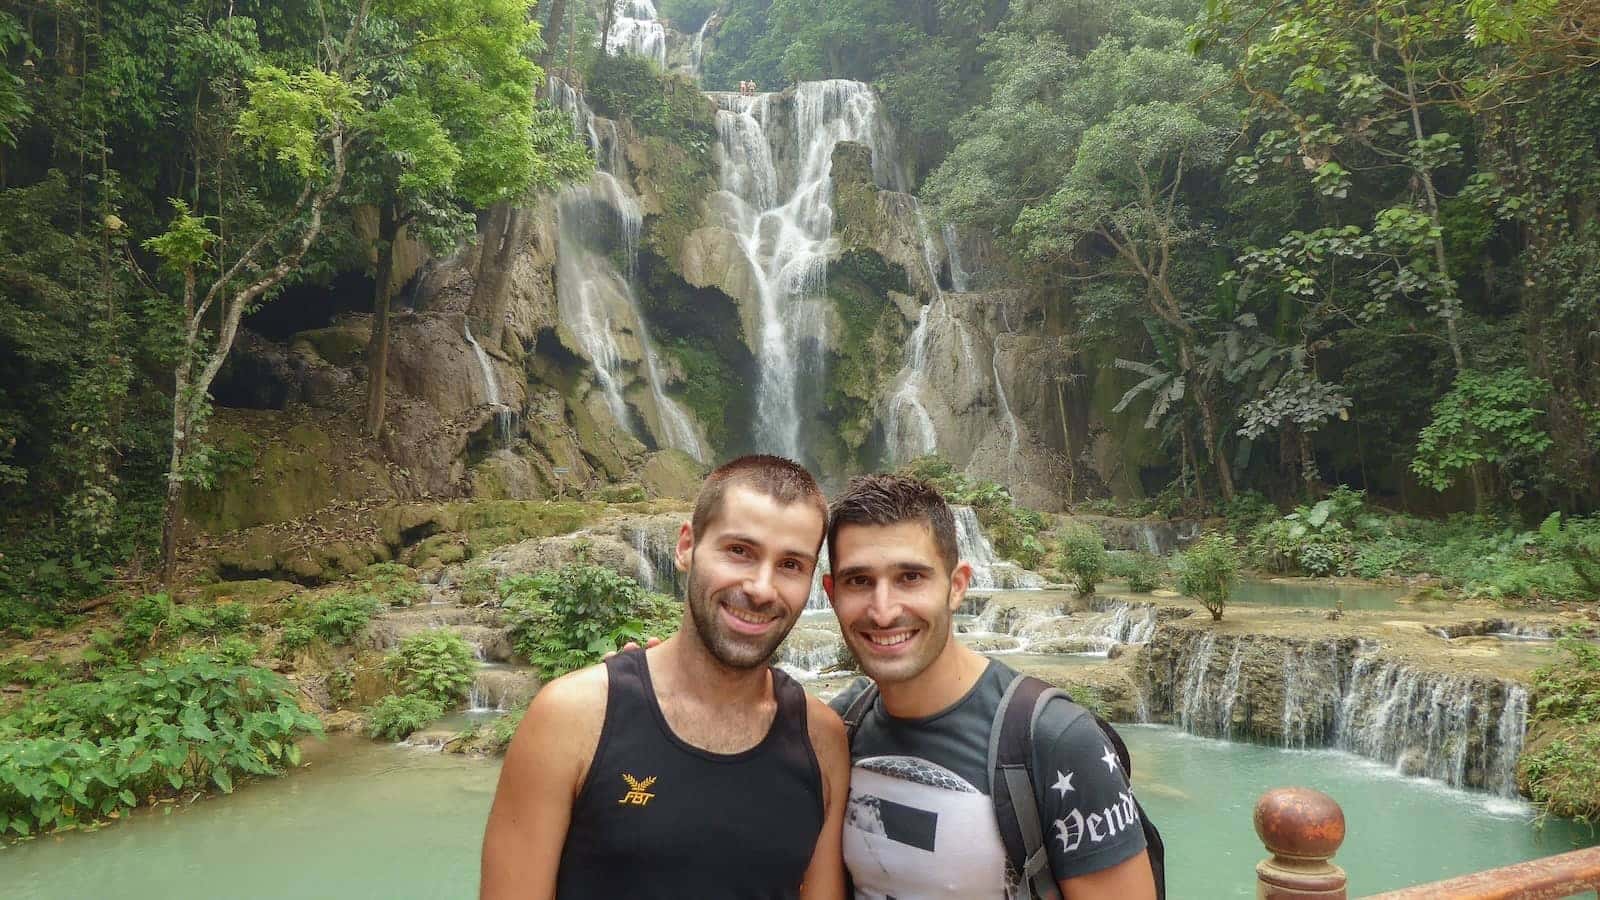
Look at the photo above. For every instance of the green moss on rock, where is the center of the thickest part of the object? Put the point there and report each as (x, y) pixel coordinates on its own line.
(870, 346)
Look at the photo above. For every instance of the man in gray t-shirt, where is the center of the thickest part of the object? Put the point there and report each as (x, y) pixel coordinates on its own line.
(920, 821)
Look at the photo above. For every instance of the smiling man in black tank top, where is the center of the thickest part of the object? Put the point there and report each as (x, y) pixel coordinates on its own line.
(693, 769)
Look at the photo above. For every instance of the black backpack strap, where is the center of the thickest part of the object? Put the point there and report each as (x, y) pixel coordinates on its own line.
(1011, 784)
(857, 710)
(1012, 787)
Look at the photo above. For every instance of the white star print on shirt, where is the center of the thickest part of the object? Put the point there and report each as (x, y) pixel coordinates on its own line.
(1063, 783)
(1110, 759)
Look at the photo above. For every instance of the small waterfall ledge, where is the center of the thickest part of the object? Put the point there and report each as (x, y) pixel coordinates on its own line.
(1343, 692)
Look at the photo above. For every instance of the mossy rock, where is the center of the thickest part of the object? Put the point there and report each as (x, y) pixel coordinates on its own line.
(343, 345)
(255, 592)
(440, 549)
(672, 474)
(279, 476)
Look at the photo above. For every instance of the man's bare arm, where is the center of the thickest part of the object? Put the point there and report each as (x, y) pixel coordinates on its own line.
(824, 879)
(544, 768)
(1130, 879)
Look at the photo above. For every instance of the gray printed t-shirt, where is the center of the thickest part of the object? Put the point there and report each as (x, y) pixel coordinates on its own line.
(920, 822)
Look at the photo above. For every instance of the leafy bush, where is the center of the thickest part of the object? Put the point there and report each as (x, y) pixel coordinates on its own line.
(565, 620)
(1564, 774)
(1314, 540)
(1578, 543)
(340, 617)
(86, 751)
(395, 718)
(154, 620)
(1207, 571)
(1142, 570)
(294, 637)
(1014, 530)
(390, 584)
(478, 585)
(1083, 556)
(1487, 420)
(437, 664)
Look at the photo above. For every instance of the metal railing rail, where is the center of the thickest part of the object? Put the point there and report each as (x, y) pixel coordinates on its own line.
(1303, 828)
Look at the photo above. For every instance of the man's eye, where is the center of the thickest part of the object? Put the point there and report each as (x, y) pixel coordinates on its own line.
(737, 550)
(792, 564)
(911, 576)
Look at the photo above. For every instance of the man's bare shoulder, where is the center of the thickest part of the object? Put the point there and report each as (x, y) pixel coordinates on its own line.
(576, 702)
(826, 729)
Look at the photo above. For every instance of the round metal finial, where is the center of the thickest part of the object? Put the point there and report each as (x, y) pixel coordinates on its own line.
(1302, 828)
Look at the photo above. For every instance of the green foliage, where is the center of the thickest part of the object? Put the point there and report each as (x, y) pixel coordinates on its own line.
(708, 385)
(294, 638)
(1208, 570)
(628, 86)
(154, 620)
(340, 617)
(478, 585)
(391, 584)
(1487, 420)
(1014, 530)
(1084, 557)
(437, 664)
(394, 718)
(83, 752)
(1563, 775)
(566, 619)
(1142, 570)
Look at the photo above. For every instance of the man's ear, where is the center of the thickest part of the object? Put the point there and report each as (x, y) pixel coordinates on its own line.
(827, 585)
(959, 580)
(683, 554)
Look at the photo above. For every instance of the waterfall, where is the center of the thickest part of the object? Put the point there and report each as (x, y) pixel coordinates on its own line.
(636, 29)
(597, 302)
(989, 571)
(1439, 726)
(1311, 696)
(908, 428)
(960, 282)
(974, 547)
(491, 387)
(784, 229)
(698, 49)
(1196, 700)
(1465, 731)
(1005, 404)
(656, 567)
(818, 598)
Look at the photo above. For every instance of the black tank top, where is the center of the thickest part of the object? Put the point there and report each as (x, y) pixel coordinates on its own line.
(659, 818)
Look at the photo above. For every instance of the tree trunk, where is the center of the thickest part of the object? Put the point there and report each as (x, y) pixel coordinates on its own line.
(502, 238)
(1208, 420)
(378, 344)
(552, 36)
(605, 30)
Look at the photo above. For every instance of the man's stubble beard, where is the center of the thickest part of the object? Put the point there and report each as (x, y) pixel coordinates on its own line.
(731, 650)
(936, 635)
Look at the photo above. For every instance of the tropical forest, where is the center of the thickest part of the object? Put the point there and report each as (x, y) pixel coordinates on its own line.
(361, 360)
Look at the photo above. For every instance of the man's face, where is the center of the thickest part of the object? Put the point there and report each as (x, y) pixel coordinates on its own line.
(894, 598)
(749, 574)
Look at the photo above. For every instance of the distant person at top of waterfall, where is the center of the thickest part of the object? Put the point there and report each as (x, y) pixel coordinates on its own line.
(692, 769)
(969, 780)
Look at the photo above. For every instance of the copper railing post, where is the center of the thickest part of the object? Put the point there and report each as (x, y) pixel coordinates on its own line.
(1302, 829)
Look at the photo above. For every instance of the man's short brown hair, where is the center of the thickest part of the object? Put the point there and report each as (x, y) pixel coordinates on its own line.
(890, 500)
(785, 481)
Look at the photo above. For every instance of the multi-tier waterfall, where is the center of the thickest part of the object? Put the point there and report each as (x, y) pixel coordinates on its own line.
(774, 159)
(637, 29)
(597, 301)
(1463, 730)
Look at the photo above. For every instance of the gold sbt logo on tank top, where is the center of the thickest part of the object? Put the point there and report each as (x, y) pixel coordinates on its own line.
(638, 791)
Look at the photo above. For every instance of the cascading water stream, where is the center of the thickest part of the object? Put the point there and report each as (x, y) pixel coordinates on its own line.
(491, 386)
(784, 229)
(960, 281)
(636, 29)
(597, 302)
(1461, 730)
